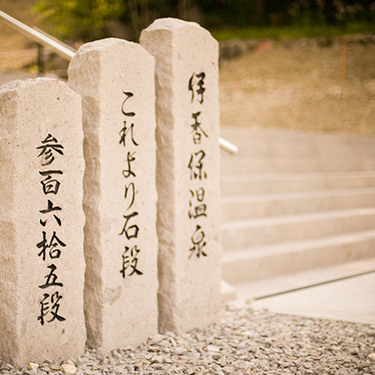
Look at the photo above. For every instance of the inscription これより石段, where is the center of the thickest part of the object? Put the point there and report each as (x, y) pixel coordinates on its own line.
(130, 228)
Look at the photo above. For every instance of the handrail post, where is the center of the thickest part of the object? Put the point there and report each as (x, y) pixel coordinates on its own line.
(40, 59)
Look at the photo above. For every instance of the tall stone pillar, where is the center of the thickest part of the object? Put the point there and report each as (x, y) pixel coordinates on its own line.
(187, 115)
(116, 81)
(41, 222)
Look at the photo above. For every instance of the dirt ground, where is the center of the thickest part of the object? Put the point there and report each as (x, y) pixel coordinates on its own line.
(16, 51)
(294, 86)
(301, 87)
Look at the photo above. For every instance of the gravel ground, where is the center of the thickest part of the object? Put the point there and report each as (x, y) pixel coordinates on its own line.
(246, 341)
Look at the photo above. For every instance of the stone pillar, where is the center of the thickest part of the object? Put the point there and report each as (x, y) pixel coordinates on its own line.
(187, 112)
(41, 255)
(116, 81)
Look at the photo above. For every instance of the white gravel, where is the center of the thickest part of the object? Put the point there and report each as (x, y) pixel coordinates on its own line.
(246, 341)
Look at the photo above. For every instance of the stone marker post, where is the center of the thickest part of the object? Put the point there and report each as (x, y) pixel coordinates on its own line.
(116, 81)
(187, 112)
(41, 255)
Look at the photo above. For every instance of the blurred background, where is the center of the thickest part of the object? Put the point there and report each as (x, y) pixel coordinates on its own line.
(297, 87)
(295, 64)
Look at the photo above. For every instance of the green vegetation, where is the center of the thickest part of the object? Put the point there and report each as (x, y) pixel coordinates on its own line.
(85, 19)
(90, 19)
(293, 31)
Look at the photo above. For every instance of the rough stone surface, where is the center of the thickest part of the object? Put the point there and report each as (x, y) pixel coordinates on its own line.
(68, 369)
(246, 341)
(187, 112)
(116, 81)
(41, 224)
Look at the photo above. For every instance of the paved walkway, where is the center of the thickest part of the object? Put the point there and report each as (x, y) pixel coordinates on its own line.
(344, 292)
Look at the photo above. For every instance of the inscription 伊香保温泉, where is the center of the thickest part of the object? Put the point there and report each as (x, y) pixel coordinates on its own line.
(197, 212)
(130, 228)
(51, 245)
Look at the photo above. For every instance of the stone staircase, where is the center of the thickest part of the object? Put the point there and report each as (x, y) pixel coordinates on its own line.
(294, 201)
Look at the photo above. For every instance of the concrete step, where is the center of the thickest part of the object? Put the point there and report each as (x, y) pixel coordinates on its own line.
(295, 200)
(260, 232)
(253, 147)
(267, 205)
(257, 148)
(245, 265)
(233, 185)
(276, 142)
(296, 165)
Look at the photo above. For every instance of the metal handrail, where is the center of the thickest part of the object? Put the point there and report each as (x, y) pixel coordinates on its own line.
(44, 39)
(228, 146)
(68, 53)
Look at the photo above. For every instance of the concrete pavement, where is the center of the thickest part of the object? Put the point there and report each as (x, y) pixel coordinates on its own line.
(343, 292)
